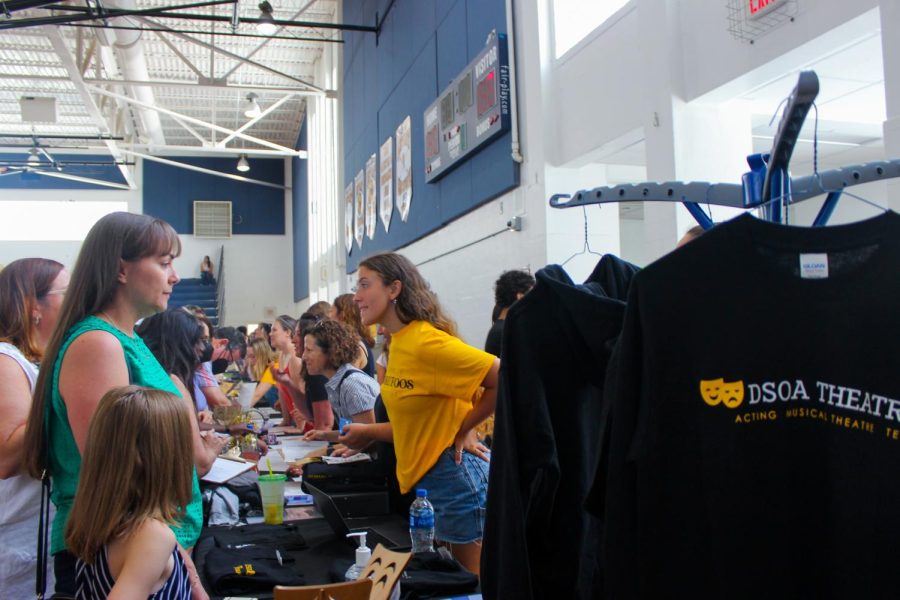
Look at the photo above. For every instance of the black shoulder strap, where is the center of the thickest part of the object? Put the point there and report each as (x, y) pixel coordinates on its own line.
(346, 375)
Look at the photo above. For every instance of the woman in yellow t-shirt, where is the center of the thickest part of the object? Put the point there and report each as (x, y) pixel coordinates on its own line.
(429, 391)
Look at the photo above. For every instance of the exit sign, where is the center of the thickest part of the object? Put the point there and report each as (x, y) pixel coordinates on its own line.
(758, 8)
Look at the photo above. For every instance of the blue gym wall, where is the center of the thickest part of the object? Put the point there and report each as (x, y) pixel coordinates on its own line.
(169, 193)
(299, 211)
(32, 181)
(423, 45)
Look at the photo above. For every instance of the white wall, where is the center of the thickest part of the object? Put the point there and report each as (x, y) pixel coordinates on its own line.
(601, 89)
(324, 193)
(63, 251)
(257, 267)
(715, 61)
(595, 93)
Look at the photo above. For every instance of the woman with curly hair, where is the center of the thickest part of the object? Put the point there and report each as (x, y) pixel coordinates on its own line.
(328, 349)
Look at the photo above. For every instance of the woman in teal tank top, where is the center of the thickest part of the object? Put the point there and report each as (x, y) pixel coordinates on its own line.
(123, 273)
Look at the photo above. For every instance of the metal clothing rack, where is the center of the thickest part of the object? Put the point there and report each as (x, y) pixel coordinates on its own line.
(768, 184)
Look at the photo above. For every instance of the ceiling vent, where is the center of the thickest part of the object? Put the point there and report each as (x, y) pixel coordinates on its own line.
(212, 219)
(38, 110)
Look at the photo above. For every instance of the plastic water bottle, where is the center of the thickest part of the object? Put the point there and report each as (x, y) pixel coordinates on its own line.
(421, 523)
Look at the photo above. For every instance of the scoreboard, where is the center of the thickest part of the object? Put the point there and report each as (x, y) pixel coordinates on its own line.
(470, 112)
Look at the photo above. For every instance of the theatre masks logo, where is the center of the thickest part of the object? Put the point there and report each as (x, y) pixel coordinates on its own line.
(716, 391)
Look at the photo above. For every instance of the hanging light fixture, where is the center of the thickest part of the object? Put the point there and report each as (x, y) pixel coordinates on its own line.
(266, 23)
(243, 165)
(34, 157)
(251, 106)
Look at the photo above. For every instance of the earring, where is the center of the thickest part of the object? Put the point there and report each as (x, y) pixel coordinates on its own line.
(394, 301)
(37, 320)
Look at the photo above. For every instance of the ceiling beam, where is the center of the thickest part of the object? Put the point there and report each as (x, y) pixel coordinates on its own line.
(68, 62)
(81, 179)
(191, 120)
(178, 53)
(175, 163)
(167, 150)
(263, 44)
(256, 119)
(164, 12)
(227, 34)
(59, 136)
(88, 14)
(88, 56)
(205, 86)
(191, 130)
(298, 91)
(231, 55)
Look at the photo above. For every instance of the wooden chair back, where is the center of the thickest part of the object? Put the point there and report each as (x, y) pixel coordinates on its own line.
(384, 570)
(348, 590)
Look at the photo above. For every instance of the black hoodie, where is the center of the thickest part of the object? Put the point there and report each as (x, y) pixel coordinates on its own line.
(539, 542)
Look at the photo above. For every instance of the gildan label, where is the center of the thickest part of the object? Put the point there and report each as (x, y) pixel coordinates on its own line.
(814, 266)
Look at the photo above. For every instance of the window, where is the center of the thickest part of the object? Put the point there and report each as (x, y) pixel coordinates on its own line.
(573, 20)
(23, 220)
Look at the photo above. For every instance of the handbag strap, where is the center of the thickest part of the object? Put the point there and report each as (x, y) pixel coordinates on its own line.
(40, 587)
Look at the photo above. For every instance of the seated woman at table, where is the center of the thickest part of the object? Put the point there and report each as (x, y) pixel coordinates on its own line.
(174, 338)
(329, 349)
(258, 369)
(317, 403)
(286, 372)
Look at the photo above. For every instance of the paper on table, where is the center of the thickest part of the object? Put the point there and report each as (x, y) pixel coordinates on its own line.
(286, 430)
(224, 469)
(276, 459)
(340, 460)
(297, 449)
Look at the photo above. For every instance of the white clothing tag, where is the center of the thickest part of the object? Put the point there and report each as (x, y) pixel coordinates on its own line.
(814, 266)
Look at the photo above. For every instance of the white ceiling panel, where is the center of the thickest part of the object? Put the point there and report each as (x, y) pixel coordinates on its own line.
(200, 55)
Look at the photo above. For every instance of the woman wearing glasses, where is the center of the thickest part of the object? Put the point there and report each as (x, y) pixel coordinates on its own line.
(31, 293)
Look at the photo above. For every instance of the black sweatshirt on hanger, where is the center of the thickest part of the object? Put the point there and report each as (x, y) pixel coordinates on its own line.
(539, 542)
(754, 449)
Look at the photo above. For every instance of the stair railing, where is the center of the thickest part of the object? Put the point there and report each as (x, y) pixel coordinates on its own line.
(220, 289)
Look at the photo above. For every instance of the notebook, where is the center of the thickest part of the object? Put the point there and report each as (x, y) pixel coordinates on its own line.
(224, 469)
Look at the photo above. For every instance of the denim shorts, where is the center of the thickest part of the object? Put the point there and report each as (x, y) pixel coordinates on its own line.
(459, 495)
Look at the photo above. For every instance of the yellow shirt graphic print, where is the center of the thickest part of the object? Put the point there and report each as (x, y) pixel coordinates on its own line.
(715, 391)
(428, 389)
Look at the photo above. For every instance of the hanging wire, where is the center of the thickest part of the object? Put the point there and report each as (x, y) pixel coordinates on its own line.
(815, 139)
(586, 249)
(818, 175)
(777, 108)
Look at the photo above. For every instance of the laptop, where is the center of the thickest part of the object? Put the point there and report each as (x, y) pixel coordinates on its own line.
(390, 531)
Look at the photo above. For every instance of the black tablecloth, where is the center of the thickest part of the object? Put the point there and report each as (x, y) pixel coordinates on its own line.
(314, 561)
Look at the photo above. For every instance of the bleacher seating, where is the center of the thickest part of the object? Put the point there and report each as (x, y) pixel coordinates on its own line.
(191, 291)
